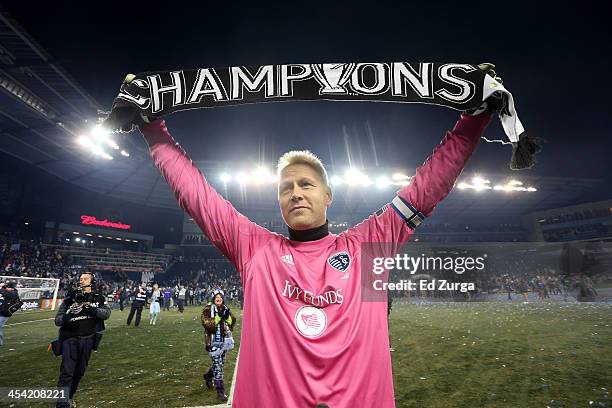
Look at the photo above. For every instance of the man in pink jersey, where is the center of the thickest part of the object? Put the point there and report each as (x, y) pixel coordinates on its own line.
(308, 338)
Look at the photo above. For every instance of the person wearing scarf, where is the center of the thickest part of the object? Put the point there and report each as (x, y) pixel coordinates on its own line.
(218, 321)
(307, 295)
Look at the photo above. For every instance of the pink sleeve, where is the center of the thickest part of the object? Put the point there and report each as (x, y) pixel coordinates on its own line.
(433, 180)
(237, 237)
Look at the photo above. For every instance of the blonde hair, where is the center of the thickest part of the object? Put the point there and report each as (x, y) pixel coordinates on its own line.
(303, 157)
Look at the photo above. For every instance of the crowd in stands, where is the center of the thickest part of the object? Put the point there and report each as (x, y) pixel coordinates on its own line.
(34, 259)
(584, 214)
(516, 274)
(31, 259)
(199, 275)
(581, 224)
(428, 232)
(461, 232)
(577, 233)
(462, 227)
(196, 239)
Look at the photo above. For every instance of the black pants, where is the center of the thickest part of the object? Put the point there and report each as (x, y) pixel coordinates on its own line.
(138, 311)
(121, 304)
(181, 305)
(75, 356)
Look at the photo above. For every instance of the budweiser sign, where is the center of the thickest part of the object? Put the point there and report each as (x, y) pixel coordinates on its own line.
(91, 220)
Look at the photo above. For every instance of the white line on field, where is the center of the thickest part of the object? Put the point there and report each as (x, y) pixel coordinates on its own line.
(29, 321)
(231, 396)
(31, 311)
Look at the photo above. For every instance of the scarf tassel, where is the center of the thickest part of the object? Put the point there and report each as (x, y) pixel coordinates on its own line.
(523, 152)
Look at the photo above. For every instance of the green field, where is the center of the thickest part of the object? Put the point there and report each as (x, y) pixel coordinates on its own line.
(447, 355)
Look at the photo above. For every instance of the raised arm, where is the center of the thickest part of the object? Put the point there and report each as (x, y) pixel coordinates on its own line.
(236, 236)
(433, 180)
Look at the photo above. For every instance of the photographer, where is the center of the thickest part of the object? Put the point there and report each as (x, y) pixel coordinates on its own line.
(81, 320)
(9, 304)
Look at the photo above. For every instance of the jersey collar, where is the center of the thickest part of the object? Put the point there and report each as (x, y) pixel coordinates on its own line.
(312, 234)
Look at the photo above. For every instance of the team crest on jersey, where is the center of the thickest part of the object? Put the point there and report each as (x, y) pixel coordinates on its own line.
(340, 261)
(310, 321)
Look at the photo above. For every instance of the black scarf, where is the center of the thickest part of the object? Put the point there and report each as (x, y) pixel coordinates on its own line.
(458, 86)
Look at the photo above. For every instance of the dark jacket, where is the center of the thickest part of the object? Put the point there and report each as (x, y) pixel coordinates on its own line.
(9, 302)
(85, 322)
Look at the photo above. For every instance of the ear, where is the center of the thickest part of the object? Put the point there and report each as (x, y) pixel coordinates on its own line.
(330, 197)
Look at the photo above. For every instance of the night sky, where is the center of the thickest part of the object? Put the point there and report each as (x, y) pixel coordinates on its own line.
(555, 58)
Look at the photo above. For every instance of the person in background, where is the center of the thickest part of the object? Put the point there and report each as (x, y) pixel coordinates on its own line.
(286, 331)
(140, 298)
(154, 308)
(181, 299)
(122, 296)
(81, 320)
(9, 304)
(218, 322)
(167, 298)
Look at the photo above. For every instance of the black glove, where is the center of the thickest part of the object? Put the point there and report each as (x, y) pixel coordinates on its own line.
(225, 313)
(124, 117)
(208, 348)
(90, 310)
(497, 102)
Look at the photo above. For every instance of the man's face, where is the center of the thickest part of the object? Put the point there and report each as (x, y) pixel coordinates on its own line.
(85, 280)
(303, 197)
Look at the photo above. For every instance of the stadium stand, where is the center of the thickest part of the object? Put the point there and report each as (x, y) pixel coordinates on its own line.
(105, 259)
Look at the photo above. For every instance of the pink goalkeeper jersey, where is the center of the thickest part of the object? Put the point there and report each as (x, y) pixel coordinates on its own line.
(307, 335)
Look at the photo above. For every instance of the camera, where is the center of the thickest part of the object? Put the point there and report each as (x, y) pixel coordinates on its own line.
(77, 292)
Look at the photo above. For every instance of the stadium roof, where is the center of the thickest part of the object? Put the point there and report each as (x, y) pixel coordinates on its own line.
(41, 103)
(42, 108)
(43, 111)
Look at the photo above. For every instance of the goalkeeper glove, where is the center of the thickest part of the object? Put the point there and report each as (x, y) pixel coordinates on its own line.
(124, 117)
(497, 102)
